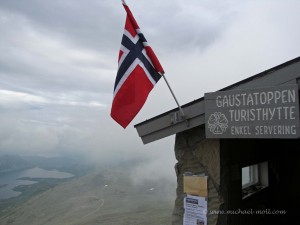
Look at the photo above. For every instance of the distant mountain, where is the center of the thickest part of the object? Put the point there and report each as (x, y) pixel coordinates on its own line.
(71, 164)
(10, 163)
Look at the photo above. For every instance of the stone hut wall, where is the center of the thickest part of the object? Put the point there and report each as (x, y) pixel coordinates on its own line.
(198, 155)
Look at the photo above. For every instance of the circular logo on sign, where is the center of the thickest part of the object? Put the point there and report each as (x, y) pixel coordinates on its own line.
(217, 123)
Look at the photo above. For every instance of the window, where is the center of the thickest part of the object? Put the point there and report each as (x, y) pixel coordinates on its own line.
(250, 175)
(254, 178)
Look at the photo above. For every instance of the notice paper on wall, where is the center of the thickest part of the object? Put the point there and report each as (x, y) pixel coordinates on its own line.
(195, 209)
(195, 185)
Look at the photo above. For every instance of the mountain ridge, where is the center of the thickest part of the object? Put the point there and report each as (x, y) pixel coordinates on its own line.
(9, 163)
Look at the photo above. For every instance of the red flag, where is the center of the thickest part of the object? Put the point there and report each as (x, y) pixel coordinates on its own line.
(139, 70)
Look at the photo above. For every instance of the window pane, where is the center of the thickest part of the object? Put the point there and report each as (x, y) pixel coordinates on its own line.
(245, 175)
(253, 174)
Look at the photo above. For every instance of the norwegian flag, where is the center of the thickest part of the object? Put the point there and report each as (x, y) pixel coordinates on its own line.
(139, 70)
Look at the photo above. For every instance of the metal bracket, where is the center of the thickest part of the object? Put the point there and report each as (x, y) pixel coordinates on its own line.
(176, 117)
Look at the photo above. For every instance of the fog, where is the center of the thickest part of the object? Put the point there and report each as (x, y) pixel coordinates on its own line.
(58, 62)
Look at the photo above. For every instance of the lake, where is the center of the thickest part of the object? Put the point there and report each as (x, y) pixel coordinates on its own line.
(10, 180)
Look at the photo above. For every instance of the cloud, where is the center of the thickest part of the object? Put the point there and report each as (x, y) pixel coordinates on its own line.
(84, 22)
(34, 63)
(192, 26)
(12, 96)
(58, 62)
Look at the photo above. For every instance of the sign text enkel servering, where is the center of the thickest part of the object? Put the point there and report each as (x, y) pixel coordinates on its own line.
(271, 112)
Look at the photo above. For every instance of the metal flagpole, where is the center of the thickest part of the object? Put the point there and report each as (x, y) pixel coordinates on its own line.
(181, 110)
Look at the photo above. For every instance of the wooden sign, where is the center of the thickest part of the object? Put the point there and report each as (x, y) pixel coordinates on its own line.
(271, 112)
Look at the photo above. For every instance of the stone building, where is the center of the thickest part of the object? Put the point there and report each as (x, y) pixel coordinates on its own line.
(245, 138)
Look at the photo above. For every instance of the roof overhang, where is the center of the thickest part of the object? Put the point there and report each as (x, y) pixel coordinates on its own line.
(172, 122)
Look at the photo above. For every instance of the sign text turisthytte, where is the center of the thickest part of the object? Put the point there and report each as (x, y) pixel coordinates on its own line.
(263, 112)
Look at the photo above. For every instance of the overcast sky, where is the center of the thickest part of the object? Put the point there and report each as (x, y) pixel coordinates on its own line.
(58, 62)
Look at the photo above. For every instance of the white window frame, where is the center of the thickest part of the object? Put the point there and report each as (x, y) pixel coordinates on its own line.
(258, 178)
(253, 175)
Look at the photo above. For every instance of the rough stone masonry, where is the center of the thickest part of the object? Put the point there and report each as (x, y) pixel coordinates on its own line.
(198, 155)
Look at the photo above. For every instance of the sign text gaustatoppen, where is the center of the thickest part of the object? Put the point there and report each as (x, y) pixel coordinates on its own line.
(271, 112)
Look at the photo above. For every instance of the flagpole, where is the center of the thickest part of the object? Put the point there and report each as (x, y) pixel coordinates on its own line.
(180, 108)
